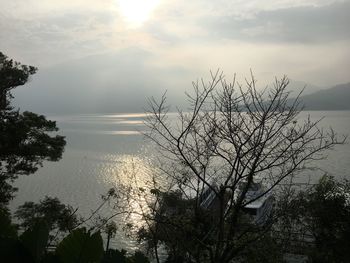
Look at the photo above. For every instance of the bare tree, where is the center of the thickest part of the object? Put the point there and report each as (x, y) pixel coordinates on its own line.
(231, 137)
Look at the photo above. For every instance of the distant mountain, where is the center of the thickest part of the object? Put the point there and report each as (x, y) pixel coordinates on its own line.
(296, 86)
(336, 98)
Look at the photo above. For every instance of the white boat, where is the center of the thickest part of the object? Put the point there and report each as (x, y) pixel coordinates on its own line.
(208, 197)
(258, 205)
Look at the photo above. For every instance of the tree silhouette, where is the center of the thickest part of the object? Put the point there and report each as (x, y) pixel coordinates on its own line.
(26, 139)
(231, 138)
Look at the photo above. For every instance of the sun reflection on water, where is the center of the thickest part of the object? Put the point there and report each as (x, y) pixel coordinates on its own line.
(132, 176)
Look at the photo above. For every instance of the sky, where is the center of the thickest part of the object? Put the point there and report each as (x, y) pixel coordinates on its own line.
(110, 55)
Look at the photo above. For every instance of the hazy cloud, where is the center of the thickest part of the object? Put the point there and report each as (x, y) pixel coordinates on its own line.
(87, 48)
(308, 24)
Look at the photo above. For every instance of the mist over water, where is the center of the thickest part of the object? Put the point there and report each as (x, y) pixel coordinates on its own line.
(102, 150)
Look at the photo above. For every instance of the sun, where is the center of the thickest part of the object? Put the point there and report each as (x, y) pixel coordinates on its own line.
(136, 12)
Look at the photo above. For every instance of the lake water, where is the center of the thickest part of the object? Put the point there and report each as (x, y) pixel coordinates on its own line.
(102, 149)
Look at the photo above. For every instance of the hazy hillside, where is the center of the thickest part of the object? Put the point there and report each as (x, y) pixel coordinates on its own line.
(336, 98)
(296, 86)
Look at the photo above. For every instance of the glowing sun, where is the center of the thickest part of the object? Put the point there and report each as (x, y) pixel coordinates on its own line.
(136, 12)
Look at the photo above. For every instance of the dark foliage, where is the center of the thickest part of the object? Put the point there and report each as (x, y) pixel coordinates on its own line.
(326, 211)
(80, 246)
(12, 75)
(59, 218)
(316, 221)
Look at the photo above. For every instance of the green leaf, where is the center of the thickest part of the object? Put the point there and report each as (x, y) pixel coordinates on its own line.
(80, 247)
(35, 240)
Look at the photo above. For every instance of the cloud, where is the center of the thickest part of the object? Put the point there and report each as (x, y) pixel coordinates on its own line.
(53, 39)
(305, 24)
(86, 49)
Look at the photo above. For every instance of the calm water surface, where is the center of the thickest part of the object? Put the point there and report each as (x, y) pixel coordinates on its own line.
(102, 149)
